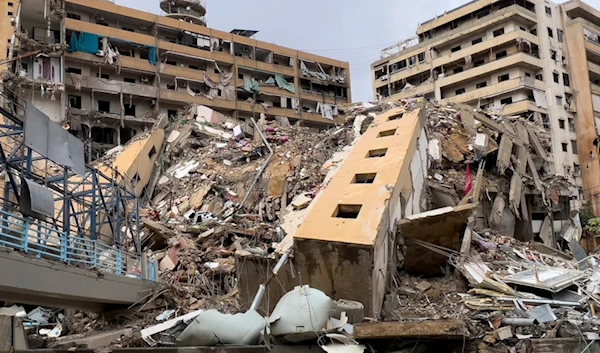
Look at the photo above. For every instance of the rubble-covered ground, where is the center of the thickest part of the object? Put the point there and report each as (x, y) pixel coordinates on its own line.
(217, 191)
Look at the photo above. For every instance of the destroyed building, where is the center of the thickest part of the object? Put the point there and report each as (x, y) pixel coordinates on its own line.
(532, 58)
(106, 71)
(414, 225)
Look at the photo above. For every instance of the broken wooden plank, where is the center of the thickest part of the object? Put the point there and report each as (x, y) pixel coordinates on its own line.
(450, 329)
(504, 153)
(537, 145)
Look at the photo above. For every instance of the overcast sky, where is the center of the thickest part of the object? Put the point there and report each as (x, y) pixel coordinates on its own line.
(348, 30)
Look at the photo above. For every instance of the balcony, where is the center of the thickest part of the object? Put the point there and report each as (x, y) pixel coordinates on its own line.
(521, 107)
(316, 96)
(496, 65)
(496, 90)
(460, 55)
(148, 118)
(184, 97)
(185, 72)
(100, 84)
(186, 10)
(289, 113)
(595, 68)
(463, 30)
(259, 65)
(470, 26)
(144, 39)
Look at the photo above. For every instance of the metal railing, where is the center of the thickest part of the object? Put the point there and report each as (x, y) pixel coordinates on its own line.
(46, 241)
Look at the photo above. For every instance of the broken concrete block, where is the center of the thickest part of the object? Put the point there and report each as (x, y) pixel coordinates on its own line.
(167, 263)
(173, 136)
(504, 333)
(238, 133)
(424, 286)
(481, 141)
(435, 151)
(301, 202)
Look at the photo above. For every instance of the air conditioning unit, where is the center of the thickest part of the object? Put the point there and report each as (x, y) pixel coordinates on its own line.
(144, 79)
(567, 107)
(100, 53)
(384, 77)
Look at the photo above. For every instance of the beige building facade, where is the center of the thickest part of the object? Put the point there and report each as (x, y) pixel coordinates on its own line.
(114, 69)
(534, 59)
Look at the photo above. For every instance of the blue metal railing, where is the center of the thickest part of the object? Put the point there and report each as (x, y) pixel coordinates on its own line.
(47, 241)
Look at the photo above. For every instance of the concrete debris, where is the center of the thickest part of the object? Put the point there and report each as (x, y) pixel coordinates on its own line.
(487, 255)
(301, 202)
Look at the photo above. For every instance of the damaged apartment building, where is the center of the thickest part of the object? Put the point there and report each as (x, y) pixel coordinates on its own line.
(533, 59)
(106, 71)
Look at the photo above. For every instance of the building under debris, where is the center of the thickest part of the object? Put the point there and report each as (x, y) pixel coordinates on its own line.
(414, 225)
(533, 59)
(115, 69)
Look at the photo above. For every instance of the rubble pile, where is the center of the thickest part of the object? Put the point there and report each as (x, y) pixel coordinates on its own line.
(223, 187)
(221, 190)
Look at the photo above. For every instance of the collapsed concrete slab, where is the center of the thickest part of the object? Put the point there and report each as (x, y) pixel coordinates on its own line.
(442, 227)
(344, 242)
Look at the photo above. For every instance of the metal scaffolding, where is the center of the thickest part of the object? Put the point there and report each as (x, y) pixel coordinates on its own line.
(96, 214)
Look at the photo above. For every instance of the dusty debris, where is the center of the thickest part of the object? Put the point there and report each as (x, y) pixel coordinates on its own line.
(226, 188)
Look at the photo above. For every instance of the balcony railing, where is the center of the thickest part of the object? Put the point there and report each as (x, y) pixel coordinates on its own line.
(45, 241)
